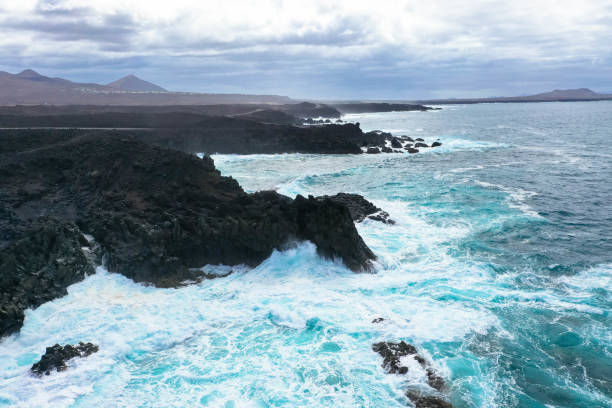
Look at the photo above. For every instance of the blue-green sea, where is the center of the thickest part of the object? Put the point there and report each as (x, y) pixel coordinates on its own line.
(498, 269)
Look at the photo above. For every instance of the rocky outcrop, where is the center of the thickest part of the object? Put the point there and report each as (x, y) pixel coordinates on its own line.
(379, 107)
(393, 355)
(55, 357)
(156, 215)
(193, 133)
(38, 266)
(396, 143)
(377, 141)
(360, 208)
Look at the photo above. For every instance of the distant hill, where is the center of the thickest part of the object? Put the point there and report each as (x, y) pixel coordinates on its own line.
(558, 95)
(563, 94)
(132, 83)
(31, 88)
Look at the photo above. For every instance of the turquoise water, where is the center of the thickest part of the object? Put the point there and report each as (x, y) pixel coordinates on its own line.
(499, 269)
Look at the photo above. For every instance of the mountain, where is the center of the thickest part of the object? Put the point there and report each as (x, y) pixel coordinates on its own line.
(31, 88)
(565, 94)
(558, 95)
(132, 83)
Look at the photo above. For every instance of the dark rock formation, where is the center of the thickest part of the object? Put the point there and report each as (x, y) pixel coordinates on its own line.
(360, 208)
(426, 401)
(378, 320)
(269, 116)
(392, 354)
(156, 214)
(192, 133)
(420, 144)
(373, 150)
(436, 144)
(395, 143)
(193, 129)
(407, 138)
(412, 150)
(379, 107)
(382, 216)
(38, 266)
(55, 357)
(418, 139)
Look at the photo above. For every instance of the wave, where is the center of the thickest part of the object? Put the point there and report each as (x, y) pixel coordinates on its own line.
(297, 327)
(517, 198)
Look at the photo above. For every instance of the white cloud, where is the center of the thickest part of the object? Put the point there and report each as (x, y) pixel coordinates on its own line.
(427, 29)
(339, 32)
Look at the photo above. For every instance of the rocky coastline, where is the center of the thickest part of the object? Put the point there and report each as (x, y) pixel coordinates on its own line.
(152, 214)
(128, 192)
(232, 129)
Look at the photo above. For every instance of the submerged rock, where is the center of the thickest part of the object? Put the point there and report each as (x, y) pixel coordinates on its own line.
(436, 144)
(55, 357)
(426, 401)
(360, 208)
(420, 144)
(156, 214)
(412, 150)
(393, 353)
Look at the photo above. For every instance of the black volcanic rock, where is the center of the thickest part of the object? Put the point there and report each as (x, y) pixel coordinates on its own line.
(396, 143)
(420, 400)
(194, 133)
(379, 107)
(55, 357)
(436, 144)
(373, 150)
(360, 208)
(309, 109)
(270, 116)
(156, 215)
(420, 144)
(411, 150)
(38, 266)
(392, 354)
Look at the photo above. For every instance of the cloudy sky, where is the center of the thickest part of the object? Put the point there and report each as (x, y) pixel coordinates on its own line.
(317, 48)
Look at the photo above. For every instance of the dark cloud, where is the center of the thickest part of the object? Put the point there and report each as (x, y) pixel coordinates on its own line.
(115, 28)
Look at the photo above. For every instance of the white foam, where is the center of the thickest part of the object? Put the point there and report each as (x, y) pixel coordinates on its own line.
(516, 197)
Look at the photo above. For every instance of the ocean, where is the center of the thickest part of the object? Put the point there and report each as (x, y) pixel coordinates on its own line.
(498, 269)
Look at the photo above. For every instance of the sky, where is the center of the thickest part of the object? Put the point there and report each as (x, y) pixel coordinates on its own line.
(338, 49)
